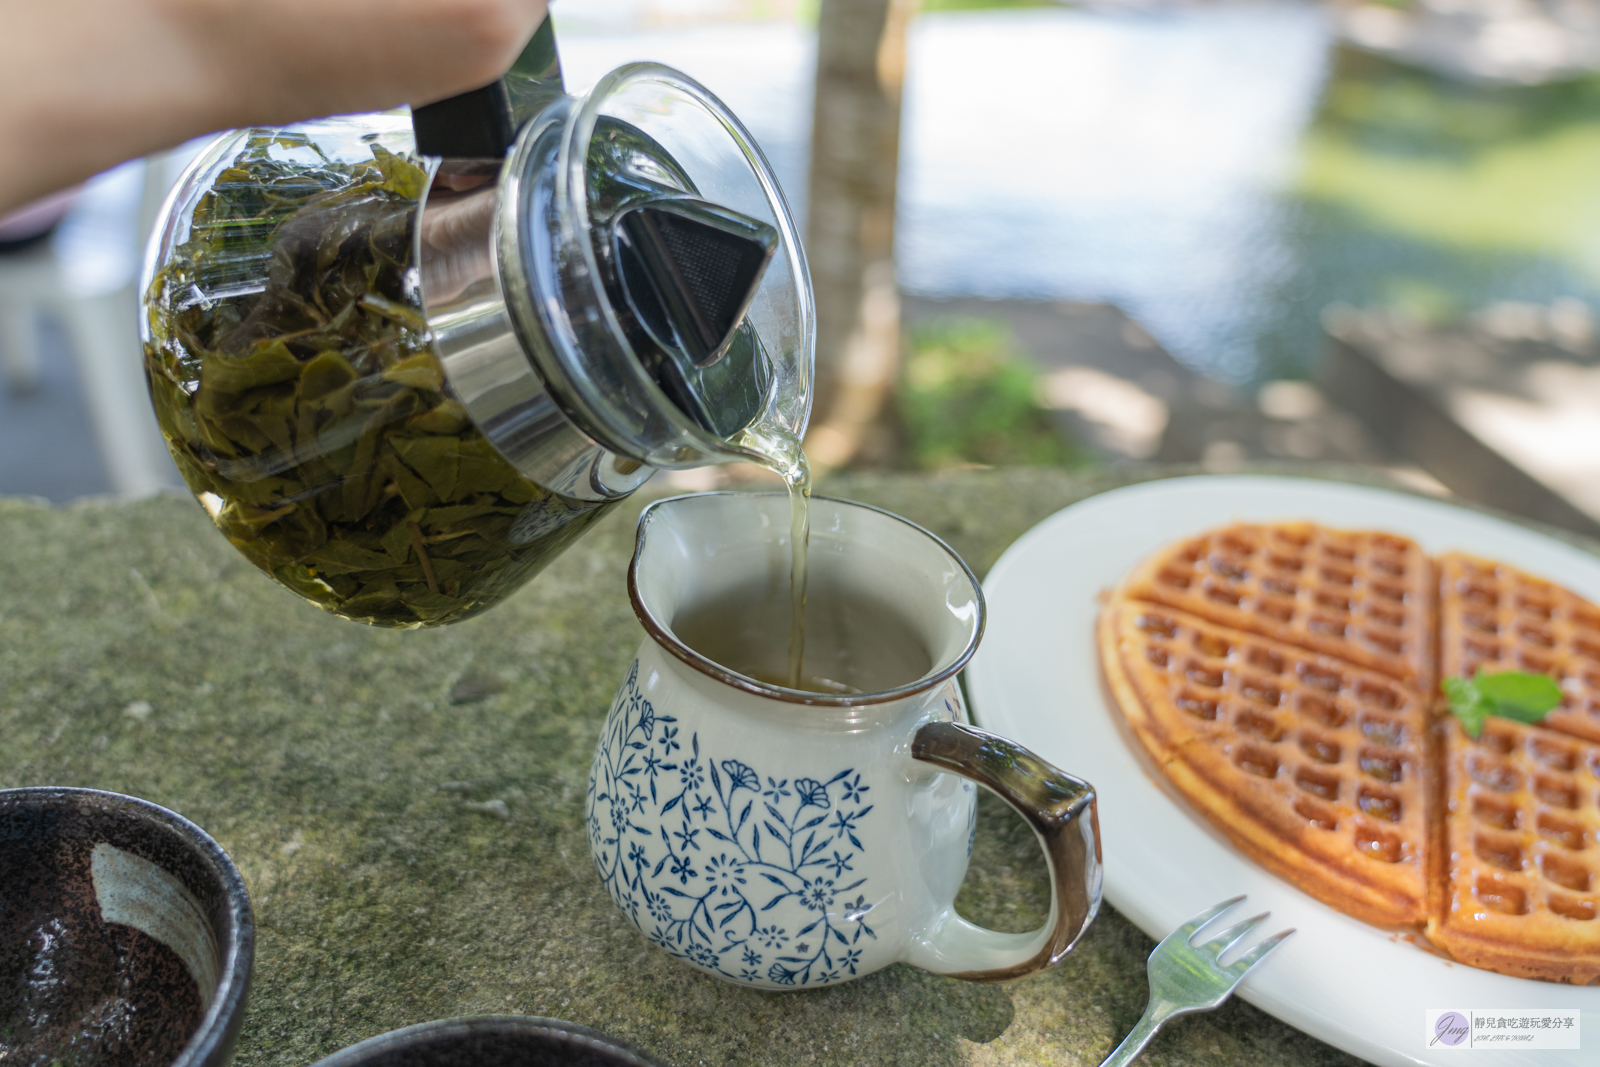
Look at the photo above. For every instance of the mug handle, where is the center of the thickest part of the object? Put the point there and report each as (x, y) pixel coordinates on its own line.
(1061, 810)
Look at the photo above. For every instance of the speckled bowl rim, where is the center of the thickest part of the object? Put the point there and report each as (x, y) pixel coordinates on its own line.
(574, 1034)
(213, 1041)
(661, 632)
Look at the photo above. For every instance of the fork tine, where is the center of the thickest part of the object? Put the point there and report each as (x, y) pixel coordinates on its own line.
(1253, 957)
(1188, 929)
(1235, 934)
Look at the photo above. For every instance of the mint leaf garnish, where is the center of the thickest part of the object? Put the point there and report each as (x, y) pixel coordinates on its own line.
(1508, 694)
(1466, 704)
(1524, 697)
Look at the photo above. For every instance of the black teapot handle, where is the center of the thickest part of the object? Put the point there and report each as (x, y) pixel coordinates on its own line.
(479, 126)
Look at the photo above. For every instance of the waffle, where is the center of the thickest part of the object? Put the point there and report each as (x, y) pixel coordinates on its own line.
(1313, 767)
(1367, 598)
(1522, 819)
(1496, 618)
(1283, 678)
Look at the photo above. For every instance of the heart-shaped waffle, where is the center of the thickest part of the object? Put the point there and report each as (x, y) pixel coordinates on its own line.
(1284, 677)
(1313, 767)
(1367, 598)
(1493, 617)
(1518, 894)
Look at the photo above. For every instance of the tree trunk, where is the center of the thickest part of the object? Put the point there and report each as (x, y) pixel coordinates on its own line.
(855, 154)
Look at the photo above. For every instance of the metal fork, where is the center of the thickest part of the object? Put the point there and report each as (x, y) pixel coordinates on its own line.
(1186, 978)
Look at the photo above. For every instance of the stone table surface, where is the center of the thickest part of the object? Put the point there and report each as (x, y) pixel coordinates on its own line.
(353, 775)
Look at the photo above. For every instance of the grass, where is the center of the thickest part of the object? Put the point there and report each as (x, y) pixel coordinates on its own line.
(1496, 169)
(968, 398)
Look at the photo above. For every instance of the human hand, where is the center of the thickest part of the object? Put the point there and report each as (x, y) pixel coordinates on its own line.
(278, 61)
(85, 84)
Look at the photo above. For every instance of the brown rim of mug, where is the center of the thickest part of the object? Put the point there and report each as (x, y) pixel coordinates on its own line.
(668, 640)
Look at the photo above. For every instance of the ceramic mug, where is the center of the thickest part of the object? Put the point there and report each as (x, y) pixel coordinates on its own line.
(784, 838)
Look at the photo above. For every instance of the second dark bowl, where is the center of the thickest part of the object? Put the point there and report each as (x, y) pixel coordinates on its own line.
(491, 1041)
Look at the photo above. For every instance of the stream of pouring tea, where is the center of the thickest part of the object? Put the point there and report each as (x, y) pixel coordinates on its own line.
(779, 451)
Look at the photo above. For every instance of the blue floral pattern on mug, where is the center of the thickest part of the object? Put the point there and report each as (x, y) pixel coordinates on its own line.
(747, 875)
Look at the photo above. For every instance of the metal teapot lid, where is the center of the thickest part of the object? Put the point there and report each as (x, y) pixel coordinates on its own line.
(645, 257)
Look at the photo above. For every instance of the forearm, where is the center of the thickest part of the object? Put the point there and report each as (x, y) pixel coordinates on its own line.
(85, 84)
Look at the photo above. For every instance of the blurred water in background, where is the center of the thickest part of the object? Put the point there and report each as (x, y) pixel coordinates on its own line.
(1221, 171)
(1130, 158)
(1432, 198)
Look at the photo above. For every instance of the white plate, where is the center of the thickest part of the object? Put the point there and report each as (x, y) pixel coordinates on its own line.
(1036, 680)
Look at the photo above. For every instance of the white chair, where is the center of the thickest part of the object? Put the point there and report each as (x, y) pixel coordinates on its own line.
(86, 278)
(29, 281)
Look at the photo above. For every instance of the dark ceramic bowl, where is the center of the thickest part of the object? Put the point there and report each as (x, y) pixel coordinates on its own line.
(125, 933)
(491, 1041)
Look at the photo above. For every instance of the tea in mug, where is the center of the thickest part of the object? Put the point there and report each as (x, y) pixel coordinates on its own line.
(854, 644)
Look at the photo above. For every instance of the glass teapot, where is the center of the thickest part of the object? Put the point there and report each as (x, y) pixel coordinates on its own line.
(403, 360)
